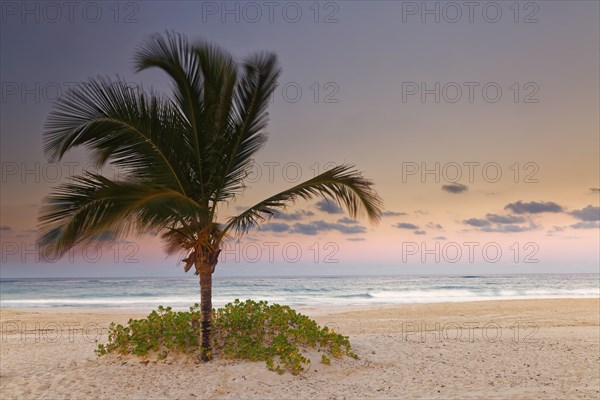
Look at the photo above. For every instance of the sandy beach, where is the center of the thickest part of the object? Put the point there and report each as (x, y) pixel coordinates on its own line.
(526, 349)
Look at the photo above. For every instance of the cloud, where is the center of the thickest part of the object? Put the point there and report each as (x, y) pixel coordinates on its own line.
(533, 207)
(305, 229)
(432, 225)
(295, 216)
(357, 239)
(316, 227)
(440, 238)
(509, 228)
(329, 207)
(589, 213)
(405, 225)
(393, 214)
(595, 190)
(505, 219)
(586, 225)
(419, 232)
(347, 220)
(5, 228)
(476, 222)
(277, 227)
(455, 188)
(555, 229)
(327, 226)
(500, 223)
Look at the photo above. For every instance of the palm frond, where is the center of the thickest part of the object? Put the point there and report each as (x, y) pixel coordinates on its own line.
(175, 55)
(248, 123)
(78, 211)
(138, 133)
(342, 184)
(219, 77)
(219, 73)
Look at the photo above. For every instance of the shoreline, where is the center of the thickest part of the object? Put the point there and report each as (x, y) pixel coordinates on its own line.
(545, 348)
(335, 307)
(318, 309)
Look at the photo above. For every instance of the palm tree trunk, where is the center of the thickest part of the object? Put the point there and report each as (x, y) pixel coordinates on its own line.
(206, 313)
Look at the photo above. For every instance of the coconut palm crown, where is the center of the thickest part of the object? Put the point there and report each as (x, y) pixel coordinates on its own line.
(180, 158)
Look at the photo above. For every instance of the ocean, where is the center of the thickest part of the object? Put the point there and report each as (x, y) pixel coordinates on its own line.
(293, 291)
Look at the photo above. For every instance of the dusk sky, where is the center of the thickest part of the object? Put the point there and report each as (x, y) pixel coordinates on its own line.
(479, 125)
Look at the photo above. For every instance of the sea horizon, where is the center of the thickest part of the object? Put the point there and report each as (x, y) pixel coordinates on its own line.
(307, 291)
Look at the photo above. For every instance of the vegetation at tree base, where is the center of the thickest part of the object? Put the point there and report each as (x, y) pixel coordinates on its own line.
(247, 330)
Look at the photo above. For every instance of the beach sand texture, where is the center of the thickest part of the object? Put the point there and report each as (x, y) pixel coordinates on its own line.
(491, 349)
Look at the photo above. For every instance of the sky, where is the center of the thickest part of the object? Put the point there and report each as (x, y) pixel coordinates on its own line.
(478, 123)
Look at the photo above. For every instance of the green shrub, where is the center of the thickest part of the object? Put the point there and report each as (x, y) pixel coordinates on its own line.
(246, 330)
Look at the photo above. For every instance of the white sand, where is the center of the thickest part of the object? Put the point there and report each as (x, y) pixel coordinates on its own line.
(507, 349)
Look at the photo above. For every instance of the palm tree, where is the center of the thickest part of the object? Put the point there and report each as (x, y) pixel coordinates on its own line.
(183, 157)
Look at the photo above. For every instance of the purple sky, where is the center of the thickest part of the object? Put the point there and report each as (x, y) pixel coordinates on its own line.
(480, 130)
